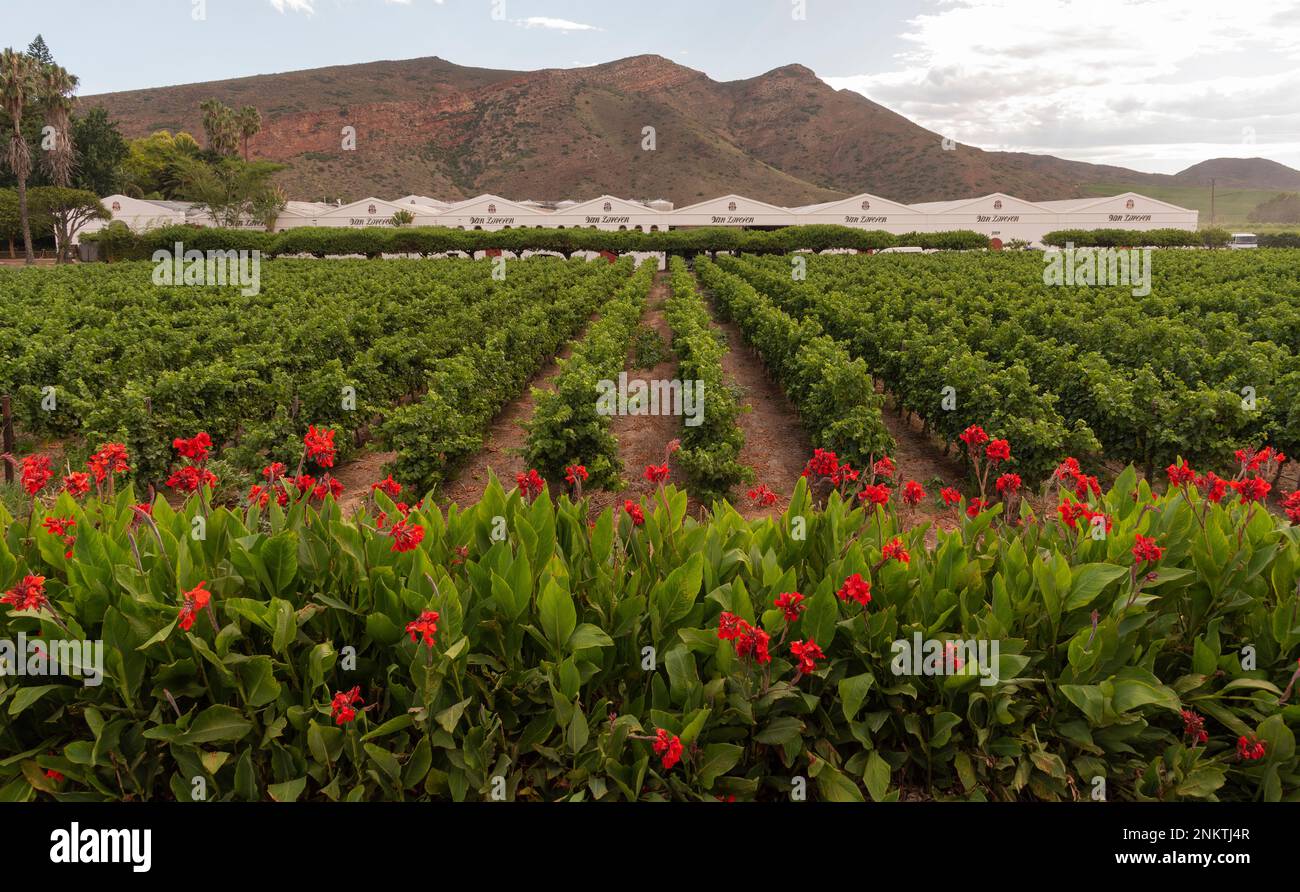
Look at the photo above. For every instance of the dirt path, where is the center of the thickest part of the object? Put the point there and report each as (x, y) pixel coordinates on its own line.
(504, 443)
(643, 439)
(358, 474)
(776, 445)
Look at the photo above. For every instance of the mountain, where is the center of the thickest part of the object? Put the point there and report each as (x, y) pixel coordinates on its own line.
(431, 127)
(1241, 173)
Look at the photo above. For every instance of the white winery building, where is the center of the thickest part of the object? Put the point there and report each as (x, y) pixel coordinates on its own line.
(999, 216)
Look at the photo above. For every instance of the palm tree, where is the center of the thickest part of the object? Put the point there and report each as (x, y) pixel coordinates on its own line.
(56, 87)
(249, 121)
(19, 87)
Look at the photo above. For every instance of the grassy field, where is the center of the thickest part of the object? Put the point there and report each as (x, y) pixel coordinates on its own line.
(1231, 206)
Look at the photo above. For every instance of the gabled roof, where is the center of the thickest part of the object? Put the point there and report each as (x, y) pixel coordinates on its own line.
(358, 208)
(1010, 204)
(854, 206)
(1141, 203)
(479, 204)
(616, 206)
(719, 206)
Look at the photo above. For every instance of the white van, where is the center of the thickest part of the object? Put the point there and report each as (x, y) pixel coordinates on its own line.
(1243, 240)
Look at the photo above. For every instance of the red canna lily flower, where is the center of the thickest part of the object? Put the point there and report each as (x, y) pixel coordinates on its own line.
(1067, 470)
(845, 474)
(1250, 749)
(574, 473)
(191, 603)
(1212, 486)
(761, 495)
(530, 484)
(27, 595)
(656, 473)
(274, 471)
(58, 526)
(974, 436)
(857, 589)
(1146, 549)
(669, 747)
(327, 486)
(791, 605)
(729, 626)
(874, 494)
(975, 506)
(424, 627)
(950, 496)
(1009, 483)
(807, 653)
(191, 478)
(998, 451)
(884, 467)
(109, 458)
(895, 551)
(35, 473)
(1252, 489)
(913, 493)
(388, 486)
(76, 484)
(195, 448)
(405, 536)
(1180, 475)
(1194, 727)
(320, 446)
(634, 511)
(822, 464)
(1291, 505)
(341, 707)
(753, 642)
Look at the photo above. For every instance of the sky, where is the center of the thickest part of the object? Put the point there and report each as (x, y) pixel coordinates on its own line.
(1154, 85)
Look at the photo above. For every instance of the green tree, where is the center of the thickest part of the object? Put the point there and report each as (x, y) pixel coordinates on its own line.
(101, 152)
(249, 121)
(19, 89)
(39, 51)
(154, 164)
(220, 127)
(65, 211)
(234, 192)
(56, 86)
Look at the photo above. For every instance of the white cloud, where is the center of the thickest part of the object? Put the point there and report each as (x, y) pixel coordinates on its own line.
(1144, 83)
(551, 24)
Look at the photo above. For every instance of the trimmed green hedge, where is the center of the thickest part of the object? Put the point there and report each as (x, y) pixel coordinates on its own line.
(1126, 238)
(119, 243)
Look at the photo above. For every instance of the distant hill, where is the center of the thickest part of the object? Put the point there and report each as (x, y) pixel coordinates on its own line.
(1241, 173)
(431, 127)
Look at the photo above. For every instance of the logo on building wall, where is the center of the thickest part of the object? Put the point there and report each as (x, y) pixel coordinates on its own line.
(117, 206)
(1129, 204)
(866, 205)
(370, 210)
(997, 205)
(607, 207)
(492, 209)
(731, 206)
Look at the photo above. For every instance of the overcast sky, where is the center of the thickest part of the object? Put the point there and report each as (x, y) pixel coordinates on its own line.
(1150, 84)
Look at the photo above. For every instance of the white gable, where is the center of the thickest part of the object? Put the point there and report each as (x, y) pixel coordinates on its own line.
(609, 204)
(732, 204)
(366, 207)
(997, 203)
